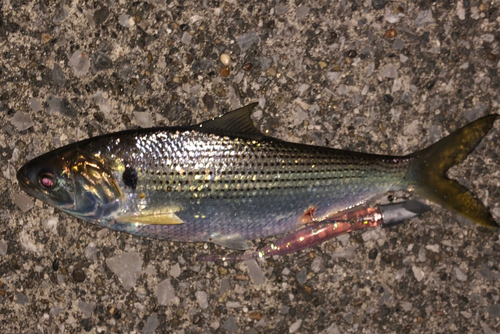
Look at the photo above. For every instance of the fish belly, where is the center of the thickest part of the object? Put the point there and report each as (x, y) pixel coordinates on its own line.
(252, 217)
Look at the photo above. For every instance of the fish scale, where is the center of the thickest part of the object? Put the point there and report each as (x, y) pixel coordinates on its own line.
(224, 181)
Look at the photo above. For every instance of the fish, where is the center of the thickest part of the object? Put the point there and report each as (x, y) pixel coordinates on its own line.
(223, 181)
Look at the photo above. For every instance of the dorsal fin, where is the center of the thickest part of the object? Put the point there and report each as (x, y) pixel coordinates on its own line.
(236, 123)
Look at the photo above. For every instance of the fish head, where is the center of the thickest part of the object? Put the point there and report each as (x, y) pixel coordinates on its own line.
(78, 183)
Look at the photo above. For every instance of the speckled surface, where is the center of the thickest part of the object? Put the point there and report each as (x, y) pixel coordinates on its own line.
(375, 76)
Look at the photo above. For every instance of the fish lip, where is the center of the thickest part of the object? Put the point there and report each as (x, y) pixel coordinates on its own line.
(24, 182)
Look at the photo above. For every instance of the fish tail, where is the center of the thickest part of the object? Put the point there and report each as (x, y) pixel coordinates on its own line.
(428, 172)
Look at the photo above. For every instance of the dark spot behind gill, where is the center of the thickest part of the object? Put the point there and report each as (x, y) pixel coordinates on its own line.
(129, 177)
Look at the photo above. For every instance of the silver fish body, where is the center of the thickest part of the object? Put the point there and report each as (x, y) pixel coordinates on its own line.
(221, 181)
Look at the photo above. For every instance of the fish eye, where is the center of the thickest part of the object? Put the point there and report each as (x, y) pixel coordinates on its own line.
(47, 180)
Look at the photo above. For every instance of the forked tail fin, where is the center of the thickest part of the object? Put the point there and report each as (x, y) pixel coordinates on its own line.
(429, 172)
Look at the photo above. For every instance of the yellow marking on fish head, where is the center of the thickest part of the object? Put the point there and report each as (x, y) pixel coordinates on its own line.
(92, 174)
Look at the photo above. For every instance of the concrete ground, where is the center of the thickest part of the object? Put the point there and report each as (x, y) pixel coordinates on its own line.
(376, 76)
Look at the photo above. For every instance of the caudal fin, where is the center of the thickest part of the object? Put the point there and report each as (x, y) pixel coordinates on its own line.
(429, 172)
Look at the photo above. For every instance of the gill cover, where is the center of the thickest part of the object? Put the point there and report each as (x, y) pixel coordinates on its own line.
(97, 193)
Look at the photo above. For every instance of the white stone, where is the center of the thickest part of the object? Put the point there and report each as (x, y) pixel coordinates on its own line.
(418, 273)
(460, 275)
(201, 298)
(127, 266)
(295, 326)
(165, 292)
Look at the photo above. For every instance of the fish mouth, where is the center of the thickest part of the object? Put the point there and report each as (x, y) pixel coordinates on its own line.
(24, 182)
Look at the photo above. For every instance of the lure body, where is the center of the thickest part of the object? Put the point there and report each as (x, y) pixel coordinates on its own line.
(336, 225)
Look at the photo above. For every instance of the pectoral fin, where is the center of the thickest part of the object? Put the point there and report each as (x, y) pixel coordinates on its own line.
(151, 219)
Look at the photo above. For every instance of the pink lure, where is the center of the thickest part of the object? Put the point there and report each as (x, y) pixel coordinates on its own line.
(311, 234)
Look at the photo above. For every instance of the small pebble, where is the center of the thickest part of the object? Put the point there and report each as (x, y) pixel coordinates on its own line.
(230, 325)
(418, 273)
(46, 38)
(247, 66)
(466, 315)
(208, 101)
(165, 292)
(246, 40)
(388, 98)
(202, 299)
(223, 271)
(433, 248)
(460, 275)
(3, 248)
(378, 4)
(390, 33)
(117, 315)
(372, 255)
(302, 12)
(186, 38)
(256, 274)
(425, 17)
(34, 104)
(407, 306)
(143, 119)
(127, 266)
(494, 310)
(23, 202)
(151, 324)
(22, 299)
(255, 315)
(78, 275)
(98, 282)
(487, 329)
(392, 18)
(271, 71)
(55, 264)
(280, 10)
(302, 276)
(80, 63)
(180, 312)
(225, 59)
(390, 71)
(224, 72)
(295, 326)
(175, 271)
(126, 21)
(86, 308)
(352, 54)
(316, 265)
